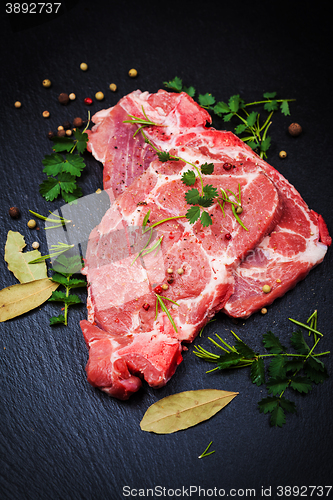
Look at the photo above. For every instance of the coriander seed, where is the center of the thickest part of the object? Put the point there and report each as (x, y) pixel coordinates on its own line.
(132, 73)
(72, 96)
(84, 66)
(282, 154)
(263, 310)
(180, 270)
(46, 114)
(47, 83)
(31, 224)
(17, 104)
(68, 132)
(113, 87)
(99, 96)
(35, 245)
(165, 286)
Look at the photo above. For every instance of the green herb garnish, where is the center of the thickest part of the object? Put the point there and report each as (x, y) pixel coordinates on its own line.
(250, 125)
(296, 371)
(64, 169)
(159, 301)
(206, 452)
(68, 282)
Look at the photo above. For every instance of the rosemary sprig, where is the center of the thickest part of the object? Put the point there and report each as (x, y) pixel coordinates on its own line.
(57, 250)
(160, 302)
(206, 453)
(61, 221)
(139, 121)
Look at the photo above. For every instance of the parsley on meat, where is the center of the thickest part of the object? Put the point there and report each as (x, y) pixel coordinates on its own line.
(255, 131)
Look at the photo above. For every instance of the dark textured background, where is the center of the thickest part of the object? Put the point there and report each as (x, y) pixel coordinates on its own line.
(62, 439)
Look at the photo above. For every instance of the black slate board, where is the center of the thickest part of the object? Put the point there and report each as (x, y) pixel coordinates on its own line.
(63, 439)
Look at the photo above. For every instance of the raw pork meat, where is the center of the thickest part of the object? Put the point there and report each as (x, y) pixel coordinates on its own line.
(127, 341)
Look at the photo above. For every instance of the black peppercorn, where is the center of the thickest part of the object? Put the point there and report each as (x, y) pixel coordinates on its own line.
(63, 98)
(66, 125)
(50, 134)
(14, 212)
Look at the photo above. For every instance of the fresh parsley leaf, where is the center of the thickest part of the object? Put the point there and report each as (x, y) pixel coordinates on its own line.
(228, 117)
(188, 178)
(267, 405)
(61, 144)
(175, 84)
(206, 100)
(229, 359)
(299, 343)
(50, 188)
(207, 168)
(251, 119)
(71, 197)
(81, 140)
(192, 196)
(205, 202)
(272, 343)
(301, 384)
(265, 144)
(53, 164)
(271, 106)
(193, 214)
(235, 102)
(285, 108)
(67, 182)
(163, 156)
(276, 367)
(258, 372)
(294, 364)
(57, 320)
(278, 417)
(244, 350)
(277, 385)
(240, 128)
(206, 219)
(269, 95)
(210, 191)
(73, 165)
(315, 370)
(221, 108)
(189, 90)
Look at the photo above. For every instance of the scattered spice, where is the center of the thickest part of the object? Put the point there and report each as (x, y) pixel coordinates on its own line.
(158, 289)
(61, 133)
(14, 212)
(35, 245)
(113, 87)
(227, 166)
(84, 66)
(69, 132)
(228, 236)
(146, 306)
(282, 154)
(169, 271)
(72, 96)
(88, 101)
(263, 310)
(132, 73)
(46, 83)
(165, 286)
(99, 96)
(17, 104)
(60, 127)
(63, 98)
(46, 114)
(77, 122)
(266, 288)
(239, 209)
(294, 129)
(50, 134)
(32, 224)
(180, 270)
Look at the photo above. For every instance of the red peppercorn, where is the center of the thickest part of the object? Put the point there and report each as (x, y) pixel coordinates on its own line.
(146, 306)
(228, 236)
(227, 166)
(158, 289)
(88, 101)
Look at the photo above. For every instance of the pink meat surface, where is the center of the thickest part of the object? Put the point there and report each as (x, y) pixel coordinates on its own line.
(127, 340)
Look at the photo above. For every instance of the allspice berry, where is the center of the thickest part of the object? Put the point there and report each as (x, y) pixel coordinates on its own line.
(14, 212)
(294, 129)
(61, 133)
(63, 98)
(77, 122)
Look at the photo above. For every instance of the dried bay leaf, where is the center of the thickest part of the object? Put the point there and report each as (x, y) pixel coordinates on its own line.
(183, 410)
(18, 262)
(21, 298)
